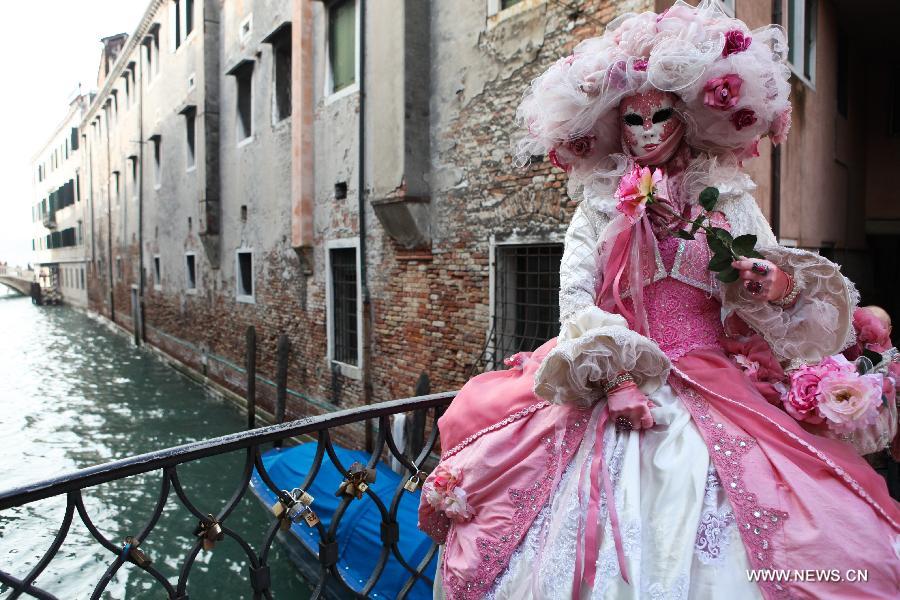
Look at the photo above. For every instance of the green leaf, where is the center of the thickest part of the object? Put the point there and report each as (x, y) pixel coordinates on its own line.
(719, 262)
(709, 197)
(754, 254)
(684, 234)
(743, 245)
(723, 235)
(717, 246)
(728, 275)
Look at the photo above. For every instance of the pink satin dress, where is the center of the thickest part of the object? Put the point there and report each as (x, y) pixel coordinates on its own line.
(725, 497)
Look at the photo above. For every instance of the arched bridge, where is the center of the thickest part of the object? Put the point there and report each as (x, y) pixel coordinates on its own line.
(17, 279)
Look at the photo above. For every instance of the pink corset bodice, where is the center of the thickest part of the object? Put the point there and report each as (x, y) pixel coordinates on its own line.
(681, 317)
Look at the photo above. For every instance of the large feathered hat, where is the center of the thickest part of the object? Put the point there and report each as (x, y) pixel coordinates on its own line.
(731, 83)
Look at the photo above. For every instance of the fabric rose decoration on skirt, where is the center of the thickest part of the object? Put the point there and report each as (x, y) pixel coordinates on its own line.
(444, 494)
(835, 393)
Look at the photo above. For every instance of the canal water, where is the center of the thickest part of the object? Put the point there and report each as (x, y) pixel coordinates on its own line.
(74, 394)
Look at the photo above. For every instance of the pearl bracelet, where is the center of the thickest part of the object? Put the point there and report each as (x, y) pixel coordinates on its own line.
(616, 382)
(791, 296)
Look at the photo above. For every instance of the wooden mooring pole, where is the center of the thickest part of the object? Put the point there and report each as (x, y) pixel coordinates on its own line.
(251, 377)
(284, 351)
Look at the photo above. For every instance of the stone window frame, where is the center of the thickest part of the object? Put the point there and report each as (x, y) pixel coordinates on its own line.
(800, 33)
(133, 175)
(156, 160)
(328, 85)
(188, 289)
(495, 243)
(279, 39)
(189, 112)
(239, 297)
(245, 29)
(156, 266)
(179, 34)
(351, 371)
(497, 14)
(244, 71)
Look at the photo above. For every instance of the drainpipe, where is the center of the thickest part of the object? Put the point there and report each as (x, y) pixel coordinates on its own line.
(775, 166)
(368, 317)
(90, 155)
(109, 232)
(140, 336)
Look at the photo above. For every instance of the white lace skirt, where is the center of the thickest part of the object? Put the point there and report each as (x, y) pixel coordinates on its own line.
(677, 526)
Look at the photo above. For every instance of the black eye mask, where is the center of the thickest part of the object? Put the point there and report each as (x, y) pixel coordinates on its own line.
(634, 119)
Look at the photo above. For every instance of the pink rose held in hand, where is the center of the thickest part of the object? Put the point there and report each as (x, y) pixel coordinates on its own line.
(722, 93)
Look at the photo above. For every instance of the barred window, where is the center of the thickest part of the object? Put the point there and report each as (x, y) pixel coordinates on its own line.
(526, 298)
(344, 306)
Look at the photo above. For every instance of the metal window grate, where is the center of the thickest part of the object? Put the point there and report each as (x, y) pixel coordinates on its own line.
(344, 305)
(526, 309)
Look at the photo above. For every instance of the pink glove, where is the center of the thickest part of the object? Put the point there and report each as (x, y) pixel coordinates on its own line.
(630, 402)
(762, 278)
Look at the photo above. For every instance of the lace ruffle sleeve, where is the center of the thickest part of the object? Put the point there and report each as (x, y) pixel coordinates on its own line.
(820, 323)
(593, 345)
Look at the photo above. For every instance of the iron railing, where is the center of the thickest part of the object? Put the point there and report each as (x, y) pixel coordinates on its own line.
(330, 579)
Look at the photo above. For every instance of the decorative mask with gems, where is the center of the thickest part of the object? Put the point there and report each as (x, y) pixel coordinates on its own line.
(651, 129)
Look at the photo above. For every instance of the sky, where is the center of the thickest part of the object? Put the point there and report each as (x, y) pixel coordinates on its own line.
(47, 48)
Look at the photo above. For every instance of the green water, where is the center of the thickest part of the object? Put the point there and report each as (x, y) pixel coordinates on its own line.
(74, 394)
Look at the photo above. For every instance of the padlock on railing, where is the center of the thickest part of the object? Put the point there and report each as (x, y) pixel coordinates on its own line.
(134, 554)
(414, 482)
(210, 531)
(294, 507)
(358, 479)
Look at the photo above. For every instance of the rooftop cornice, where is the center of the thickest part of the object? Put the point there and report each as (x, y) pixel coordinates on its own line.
(134, 40)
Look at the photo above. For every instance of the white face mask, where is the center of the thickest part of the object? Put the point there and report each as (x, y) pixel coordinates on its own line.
(648, 121)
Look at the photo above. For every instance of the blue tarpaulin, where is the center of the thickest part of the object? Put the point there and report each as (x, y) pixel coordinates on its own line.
(359, 530)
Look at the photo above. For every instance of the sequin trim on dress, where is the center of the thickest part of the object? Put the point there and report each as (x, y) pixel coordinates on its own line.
(757, 523)
(821, 455)
(499, 424)
(495, 553)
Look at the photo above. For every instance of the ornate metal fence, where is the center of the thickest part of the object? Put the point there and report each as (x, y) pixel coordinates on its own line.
(213, 527)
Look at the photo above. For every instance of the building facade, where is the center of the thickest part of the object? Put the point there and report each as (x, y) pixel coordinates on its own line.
(57, 211)
(340, 173)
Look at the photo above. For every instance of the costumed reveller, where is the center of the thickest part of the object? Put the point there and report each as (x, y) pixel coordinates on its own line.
(666, 260)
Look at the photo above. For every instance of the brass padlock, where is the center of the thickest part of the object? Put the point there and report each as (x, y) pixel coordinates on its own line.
(358, 479)
(413, 483)
(294, 509)
(134, 554)
(311, 518)
(281, 508)
(210, 531)
(302, 497)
